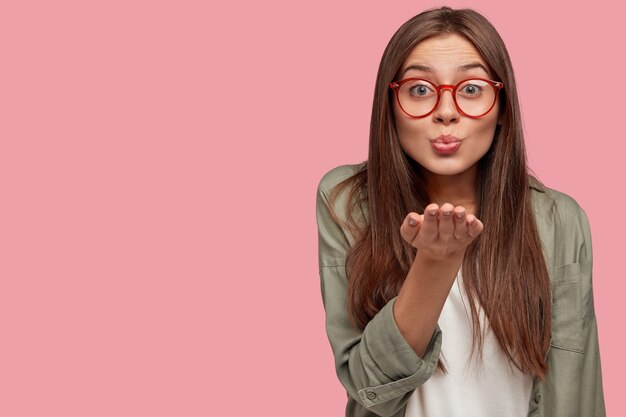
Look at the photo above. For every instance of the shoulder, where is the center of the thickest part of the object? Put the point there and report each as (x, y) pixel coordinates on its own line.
(562, 224)
(549, 201)
(336, 175)
(344, 213)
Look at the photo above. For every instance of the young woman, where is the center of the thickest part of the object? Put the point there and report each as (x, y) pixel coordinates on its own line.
(454, 282)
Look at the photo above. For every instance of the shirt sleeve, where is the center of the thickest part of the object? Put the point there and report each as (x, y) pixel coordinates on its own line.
(376, 365)
(592, 396)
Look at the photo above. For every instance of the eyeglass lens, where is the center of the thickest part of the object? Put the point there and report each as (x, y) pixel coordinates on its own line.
(419, 97)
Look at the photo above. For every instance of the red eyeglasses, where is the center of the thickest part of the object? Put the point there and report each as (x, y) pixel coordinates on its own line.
(473, 97)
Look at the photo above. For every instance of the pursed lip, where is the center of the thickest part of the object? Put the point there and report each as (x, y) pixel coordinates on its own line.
(446, 139)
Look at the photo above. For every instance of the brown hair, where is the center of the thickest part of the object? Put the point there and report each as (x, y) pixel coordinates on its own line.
(504, 268)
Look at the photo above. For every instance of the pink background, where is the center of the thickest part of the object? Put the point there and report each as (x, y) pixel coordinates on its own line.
(158, 168)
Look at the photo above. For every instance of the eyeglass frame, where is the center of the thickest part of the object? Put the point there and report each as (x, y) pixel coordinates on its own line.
(497, 86)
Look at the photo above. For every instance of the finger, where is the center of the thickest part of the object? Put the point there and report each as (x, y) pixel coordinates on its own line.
(410, 226)
(446, 223)
(460, 224)
(420, 221)
(474, 226)
(430, 226)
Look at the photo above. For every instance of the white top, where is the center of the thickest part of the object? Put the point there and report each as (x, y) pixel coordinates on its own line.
(494, 389)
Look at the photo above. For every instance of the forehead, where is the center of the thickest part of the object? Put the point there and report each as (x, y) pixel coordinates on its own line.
(444, 54)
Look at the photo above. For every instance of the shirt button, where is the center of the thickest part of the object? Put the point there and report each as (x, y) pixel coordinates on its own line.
(371, 395)
(537, 398)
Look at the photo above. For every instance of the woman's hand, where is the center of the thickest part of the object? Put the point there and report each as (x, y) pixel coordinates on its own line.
(441, 232)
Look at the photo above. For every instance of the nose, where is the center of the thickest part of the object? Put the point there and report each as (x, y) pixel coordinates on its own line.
(446, 111)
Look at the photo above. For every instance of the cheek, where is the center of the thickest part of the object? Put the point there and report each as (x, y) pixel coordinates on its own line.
(486, 126)
(410, 135)
(408, 129)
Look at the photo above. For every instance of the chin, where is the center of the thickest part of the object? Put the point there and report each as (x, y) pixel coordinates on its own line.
(448, 171)
(442, 169)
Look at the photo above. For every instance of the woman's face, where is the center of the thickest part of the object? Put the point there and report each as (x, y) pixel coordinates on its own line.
(440, 59)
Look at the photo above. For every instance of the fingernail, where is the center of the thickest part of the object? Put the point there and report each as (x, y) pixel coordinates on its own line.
(433, 212)
(459, 215)
(412, 222)
(447, 213)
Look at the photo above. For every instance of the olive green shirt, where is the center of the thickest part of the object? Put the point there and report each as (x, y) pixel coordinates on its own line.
(380, 370)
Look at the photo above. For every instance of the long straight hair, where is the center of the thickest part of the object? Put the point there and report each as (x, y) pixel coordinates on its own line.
(504, 268)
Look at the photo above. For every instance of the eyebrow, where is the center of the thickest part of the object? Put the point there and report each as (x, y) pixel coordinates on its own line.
(426, 68)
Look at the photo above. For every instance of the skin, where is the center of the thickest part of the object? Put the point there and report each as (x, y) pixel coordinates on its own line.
(442, 233)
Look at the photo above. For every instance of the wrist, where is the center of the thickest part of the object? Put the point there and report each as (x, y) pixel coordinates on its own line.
(427, 257)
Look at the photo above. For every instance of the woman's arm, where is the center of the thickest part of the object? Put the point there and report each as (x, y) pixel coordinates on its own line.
(399, 348)
(592, 396)
(441, 237)
(573, 386)
(376, 365)
(422, 298)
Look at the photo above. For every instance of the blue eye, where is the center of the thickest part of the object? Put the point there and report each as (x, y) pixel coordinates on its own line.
(421, 90)
(471, 90)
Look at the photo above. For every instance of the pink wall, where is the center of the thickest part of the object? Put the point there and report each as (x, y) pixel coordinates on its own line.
(158, 167)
